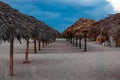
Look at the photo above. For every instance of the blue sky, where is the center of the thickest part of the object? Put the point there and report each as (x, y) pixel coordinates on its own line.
(61, 14)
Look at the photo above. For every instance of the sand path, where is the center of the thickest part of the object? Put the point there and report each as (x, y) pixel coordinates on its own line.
(62, 61)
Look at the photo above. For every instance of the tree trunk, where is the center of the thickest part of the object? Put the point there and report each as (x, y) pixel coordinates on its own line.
(11, 56)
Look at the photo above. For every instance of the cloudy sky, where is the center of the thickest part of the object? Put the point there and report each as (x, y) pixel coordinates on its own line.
(60, 14)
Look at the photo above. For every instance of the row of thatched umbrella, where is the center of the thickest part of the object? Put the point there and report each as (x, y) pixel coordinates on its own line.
(14, 24)
(79, 30)
(108, 27)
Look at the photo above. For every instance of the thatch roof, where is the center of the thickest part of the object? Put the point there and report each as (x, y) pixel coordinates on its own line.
(107, 26)
(78, 26)
(45, 32)
(67, 32)
(82, 23)
(13, 24)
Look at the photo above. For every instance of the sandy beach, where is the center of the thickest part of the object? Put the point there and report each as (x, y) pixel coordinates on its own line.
(61, 61)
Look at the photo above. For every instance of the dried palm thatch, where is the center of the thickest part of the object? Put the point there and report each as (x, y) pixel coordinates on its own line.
(39, 30)
(81, 23)
(84, 25)
(114, 32)
(67, 33)
(45, 32)
(106, 27)
(51, 34)
(13, 24)
(20, 25)
(77, 28)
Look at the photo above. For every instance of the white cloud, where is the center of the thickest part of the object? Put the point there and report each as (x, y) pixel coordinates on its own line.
(115, 4)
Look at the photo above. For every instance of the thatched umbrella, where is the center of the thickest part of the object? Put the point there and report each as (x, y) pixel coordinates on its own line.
(114, 35)
(40, 30)
(107, 27)
(14, 25)
(43, 32)
(81, 24)
(48, 33)
(67, 34)
(51, 34)
(80, 29)
(76, 29)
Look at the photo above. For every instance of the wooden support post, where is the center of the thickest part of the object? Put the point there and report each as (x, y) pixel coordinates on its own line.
(43, 44)
(35, 46)
(71, 40)
(80, 43)
(27, 53)
(11, 56)
(85, 42)
(39, 45)
(66, 39)
(76, 42)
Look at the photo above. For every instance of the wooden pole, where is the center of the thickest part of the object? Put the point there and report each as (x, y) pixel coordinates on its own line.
(11, 56)
(43, 44)
(26, 53)
(85, 43)
(39, 45)
(46, 44)
(35, 46)
(80, 43)
(70, 39)
(73, 40)
(66, 39)
(76, 42)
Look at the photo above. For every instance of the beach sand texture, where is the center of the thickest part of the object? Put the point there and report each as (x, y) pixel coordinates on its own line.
(61, 61)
